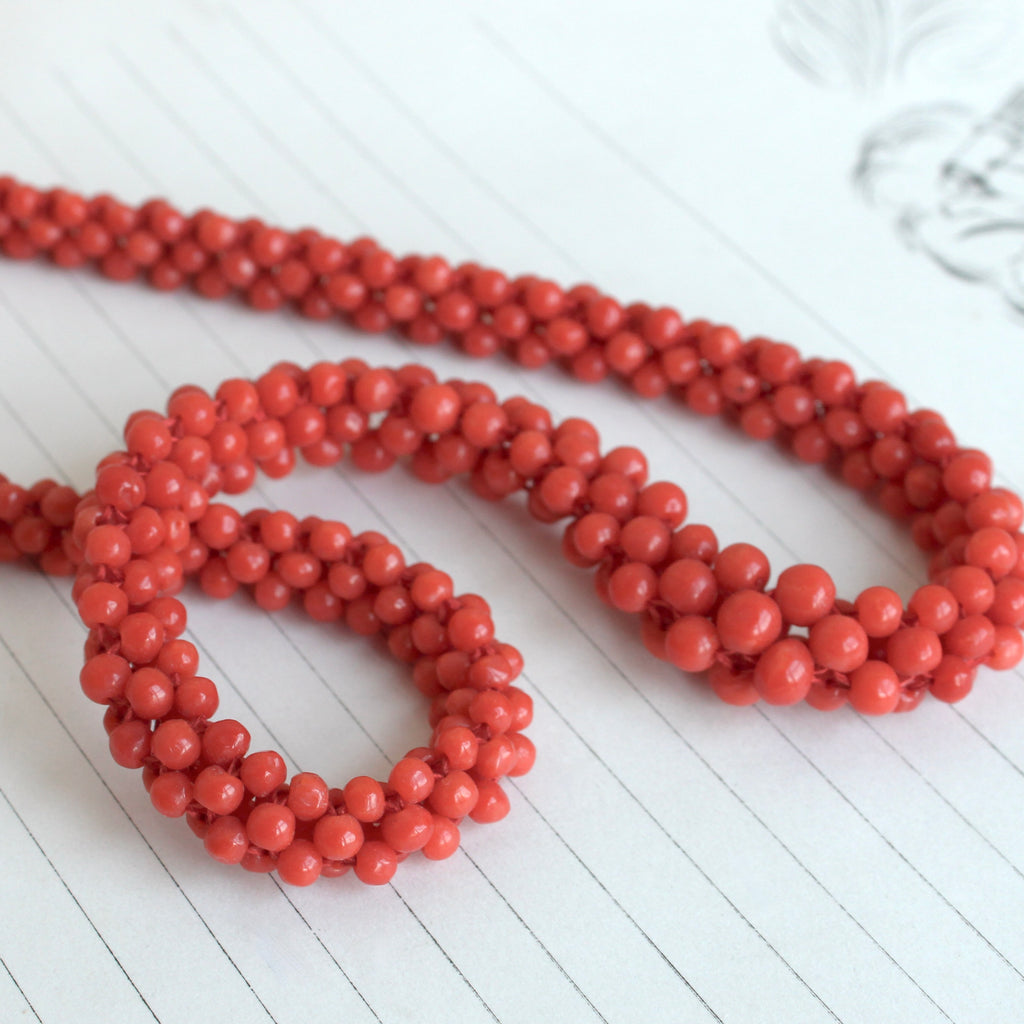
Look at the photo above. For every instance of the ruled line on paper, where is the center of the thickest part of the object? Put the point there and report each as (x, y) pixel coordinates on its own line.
(21, 991)
(284, 69)
(451, 154)
(60, 877)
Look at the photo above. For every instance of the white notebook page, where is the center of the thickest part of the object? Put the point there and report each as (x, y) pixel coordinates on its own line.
(669, 858)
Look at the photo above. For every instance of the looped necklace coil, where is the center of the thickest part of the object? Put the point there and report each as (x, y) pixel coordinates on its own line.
(152, 521)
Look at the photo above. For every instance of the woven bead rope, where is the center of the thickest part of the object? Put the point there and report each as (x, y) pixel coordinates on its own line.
(151, 521)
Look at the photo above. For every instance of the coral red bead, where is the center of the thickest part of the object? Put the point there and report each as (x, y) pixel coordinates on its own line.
(741, 567)
(914, 651)
(175, 744)
(444, 840)
(935, 607)
(412, 779)
(218, 791)
(748, 622)
(408, 829)
(691, 643)
(735, 688)
(784, 672)
(492, 803)
(879, 610)
(632, 586)
(104, 676)
(129, 743)
(262, 772)
(171, 793)
(364, 798)
(838, 642)
(308, 797)
(226, 840)
(1007, 648)
(270, 826)
(338, 836)
(454, 795)
(953, 679)
(804, 594)
(300, 863)
(376, 863)
(150, 693)
(689, 586)
(225, 741)
(967, 475)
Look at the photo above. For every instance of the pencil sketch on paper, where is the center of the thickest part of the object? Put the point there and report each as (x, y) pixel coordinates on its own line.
(954, 182)
(863, 44)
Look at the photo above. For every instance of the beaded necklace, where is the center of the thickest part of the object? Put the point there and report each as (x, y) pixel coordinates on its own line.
(151, 521)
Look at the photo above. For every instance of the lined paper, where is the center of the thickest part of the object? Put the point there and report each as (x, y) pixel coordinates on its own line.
(669, 858)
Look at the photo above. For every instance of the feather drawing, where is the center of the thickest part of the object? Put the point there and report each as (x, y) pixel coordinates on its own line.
(954, 185)
(863, 44)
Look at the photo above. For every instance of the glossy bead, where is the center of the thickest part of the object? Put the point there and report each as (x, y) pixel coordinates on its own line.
(376, 863)
(492, 803)
(689, 586)
(935, 607)
(408, 829)
(879, 610)
(736, 688)
(972, 587)
(454, 795)
(784, 672)
(914, 651)
(307, 796)
(838, 642)
(1007, 648)
(218, 791)
(300, 863)
(412, 779)
(270, 826)
(741, 567)
(874, 688)
(225, 741)
(175, 744)
(364, 798)
(748, 622)
(171, 793)
(967, 475)
(970, 638)
(129, 743)
(804, 594)
(691, 643)
(262, 772)
(631, 586)
(953, 679)
(104, 676)
(150, 693)
(226, 840)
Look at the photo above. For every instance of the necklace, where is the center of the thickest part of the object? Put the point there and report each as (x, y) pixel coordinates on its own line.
(151, 521)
